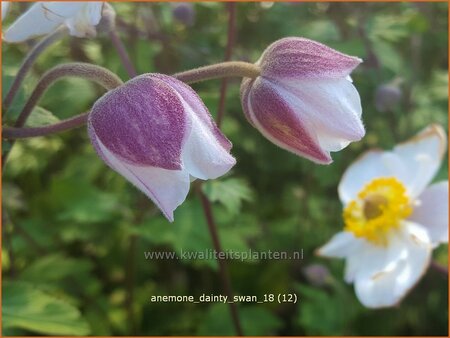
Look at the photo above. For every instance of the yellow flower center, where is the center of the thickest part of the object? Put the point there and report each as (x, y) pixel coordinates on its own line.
(379, 207)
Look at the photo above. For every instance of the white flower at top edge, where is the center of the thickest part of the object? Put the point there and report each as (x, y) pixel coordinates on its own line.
(44, 17)
(393, 218)
(5, 8)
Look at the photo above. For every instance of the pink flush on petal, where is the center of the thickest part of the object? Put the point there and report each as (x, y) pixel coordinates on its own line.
(305, 59)
(155, 131)
(304, 100)
(131, 122)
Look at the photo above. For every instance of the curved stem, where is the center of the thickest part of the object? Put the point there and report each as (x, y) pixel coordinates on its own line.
(230, 43)
(223, 268)
(219, 70)
(12, 133)
(98, 74)
(111, 81)
(28, 63)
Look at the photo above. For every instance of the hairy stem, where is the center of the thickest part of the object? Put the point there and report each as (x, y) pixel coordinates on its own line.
(28, 63)
(98, 74)
(219, 70)
(223, 268)
(12, 133)
(229, 50)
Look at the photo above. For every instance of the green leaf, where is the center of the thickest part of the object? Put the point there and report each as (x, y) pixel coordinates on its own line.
(41, 117)
(55, 267)
(230, 192)
(27, 307)
(321, 312)
(255, 320)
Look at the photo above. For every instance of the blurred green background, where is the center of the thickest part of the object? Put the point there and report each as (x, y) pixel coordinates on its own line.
(75, 232)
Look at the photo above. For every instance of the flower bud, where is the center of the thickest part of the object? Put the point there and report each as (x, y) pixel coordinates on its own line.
(184, 12)
(387, 96)
(156, 132)
(304, 100)
(316, 274)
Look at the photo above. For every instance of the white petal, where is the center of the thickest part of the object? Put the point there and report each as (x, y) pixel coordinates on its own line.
(166, 188)
(37, 20)
(389, 286)
(332, 106)
(65, 9)
(378, 259)
(83, 23)
(5, 8)
(340, 245)
(203, 156)
(422, 155)
(432, 212)
(372, 164)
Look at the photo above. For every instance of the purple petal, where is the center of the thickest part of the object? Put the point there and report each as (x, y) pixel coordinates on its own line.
(142, 122)
(278, 121)
(246, 87)
(305, 59)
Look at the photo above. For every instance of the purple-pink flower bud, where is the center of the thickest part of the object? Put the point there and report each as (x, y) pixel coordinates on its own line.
(304, 100)
(156, 132)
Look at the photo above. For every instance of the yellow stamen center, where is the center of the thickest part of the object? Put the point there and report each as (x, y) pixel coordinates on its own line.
(379, 207)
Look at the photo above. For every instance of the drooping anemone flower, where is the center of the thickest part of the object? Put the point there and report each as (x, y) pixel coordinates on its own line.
(44, 17)
(156, 132)
(393, 218)
(304, 100)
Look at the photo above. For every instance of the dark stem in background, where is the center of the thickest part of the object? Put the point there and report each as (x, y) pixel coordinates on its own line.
(223, 268)
(8, 243)
(28, 63)
(123, 55)
(228, 52)
(439, 268)
(130, 269)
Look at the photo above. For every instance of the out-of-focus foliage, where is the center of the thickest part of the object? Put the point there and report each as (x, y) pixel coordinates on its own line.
(75, 233)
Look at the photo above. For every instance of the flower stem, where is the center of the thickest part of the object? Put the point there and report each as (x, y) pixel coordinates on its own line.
(219, 70)
(28, 63)
(123, 55)
(12, 133)
(98, 74)
(109, 81)
(110, 17)
(223, 268)
(229, 50)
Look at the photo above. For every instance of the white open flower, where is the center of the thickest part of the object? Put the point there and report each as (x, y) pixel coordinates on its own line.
(393, 219)
(44, 17)
(5, 8)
